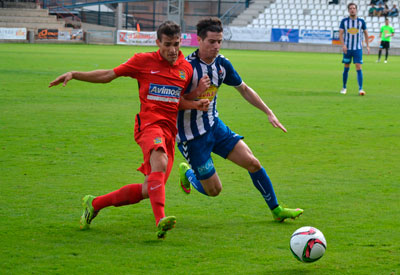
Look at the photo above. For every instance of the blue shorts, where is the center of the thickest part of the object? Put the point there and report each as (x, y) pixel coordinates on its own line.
(197, 152)
(356, 55)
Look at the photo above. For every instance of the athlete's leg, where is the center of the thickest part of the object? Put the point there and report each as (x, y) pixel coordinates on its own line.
(387, 54)
(212, 186)
(197, 153)
(161, 160)
(242, 156)
(358, 61)
(381, 46)
(359, 76)
(155, 182)
(379, 54)
(209, 185)
(133, 193)
(347, 57)
(128, 194)
(345, 75)
(187, 178)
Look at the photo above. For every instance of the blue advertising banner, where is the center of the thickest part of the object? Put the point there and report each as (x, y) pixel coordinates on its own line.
(315, 36)
(285, 35)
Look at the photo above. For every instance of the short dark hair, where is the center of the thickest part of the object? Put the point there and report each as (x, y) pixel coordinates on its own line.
(169, 28)
(211, 24)
(351, 4)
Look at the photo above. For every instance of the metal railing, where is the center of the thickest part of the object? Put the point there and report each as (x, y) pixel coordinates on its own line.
(231, 13)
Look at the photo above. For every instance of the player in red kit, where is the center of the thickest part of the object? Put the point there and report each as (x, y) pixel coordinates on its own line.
(162, 77)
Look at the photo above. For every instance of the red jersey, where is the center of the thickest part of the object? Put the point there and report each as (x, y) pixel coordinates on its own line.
(160, 87)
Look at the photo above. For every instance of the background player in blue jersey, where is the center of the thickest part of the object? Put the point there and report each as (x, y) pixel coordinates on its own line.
(200, 133)
(351, 32)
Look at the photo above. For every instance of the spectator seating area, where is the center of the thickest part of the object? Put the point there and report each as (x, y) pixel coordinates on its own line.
(316, 14)
(31, 19)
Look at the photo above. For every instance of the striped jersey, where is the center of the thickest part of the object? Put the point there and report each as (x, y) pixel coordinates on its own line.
(353, 32)
(194, 123)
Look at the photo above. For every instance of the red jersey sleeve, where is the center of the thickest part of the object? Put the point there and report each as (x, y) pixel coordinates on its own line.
(132, 67)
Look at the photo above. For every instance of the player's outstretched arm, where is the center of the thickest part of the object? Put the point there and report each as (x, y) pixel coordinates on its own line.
(254, 99)
(97, 76)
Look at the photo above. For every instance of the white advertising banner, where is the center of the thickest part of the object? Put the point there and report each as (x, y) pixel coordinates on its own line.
(13, 33)
(395, 43)
(375, 40)
(315, 36)
(149, 38)
(64, 35)
(247, 34)
(137, 38)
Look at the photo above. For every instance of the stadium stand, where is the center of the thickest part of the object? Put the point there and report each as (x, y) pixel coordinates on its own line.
(310, 14)
(31, 19)
(254, 10)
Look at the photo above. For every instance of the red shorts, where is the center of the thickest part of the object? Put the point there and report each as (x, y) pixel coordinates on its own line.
(153, 138)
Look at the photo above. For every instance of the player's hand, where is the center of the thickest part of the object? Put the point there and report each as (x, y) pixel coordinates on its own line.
(344, 49)
(368, 49)
(275, 122)
(204, 84)
(61, 79)
(202, 104)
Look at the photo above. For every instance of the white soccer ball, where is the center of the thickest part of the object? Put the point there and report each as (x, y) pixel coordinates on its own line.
(307, 244)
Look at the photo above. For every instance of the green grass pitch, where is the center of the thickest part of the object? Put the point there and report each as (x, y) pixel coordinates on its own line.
(339, 161)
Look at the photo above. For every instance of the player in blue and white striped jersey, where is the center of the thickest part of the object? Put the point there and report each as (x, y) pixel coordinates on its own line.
(200, 133)
(352, 30)
(194, 123)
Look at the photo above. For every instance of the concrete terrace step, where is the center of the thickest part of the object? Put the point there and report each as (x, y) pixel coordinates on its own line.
(29, 19)
(254, 10)
(240, 22)
(32, 19)
(19, 5)
(33, 26)
(24, 12)
(259, 6)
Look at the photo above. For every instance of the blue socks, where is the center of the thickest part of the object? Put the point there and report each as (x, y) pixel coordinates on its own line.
(262, 182)
(360, 79)
(345, 76)
(195, 182)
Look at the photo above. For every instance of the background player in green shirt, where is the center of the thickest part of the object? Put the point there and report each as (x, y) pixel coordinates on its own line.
(387, 32)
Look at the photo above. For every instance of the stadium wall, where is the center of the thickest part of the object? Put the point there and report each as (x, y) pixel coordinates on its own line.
(293, 47)
(108, 37)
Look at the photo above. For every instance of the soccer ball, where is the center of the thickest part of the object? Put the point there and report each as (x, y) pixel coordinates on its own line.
(307, 244)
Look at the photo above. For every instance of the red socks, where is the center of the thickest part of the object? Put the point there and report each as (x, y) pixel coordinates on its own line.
(129, 194)
(156, 190)
(132, 193)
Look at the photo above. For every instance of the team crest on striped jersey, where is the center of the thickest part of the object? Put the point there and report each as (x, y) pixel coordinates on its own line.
(352, 30)
(210, 93)
(157, 140)
(182, 75)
